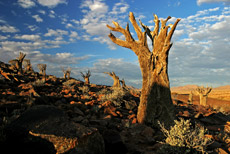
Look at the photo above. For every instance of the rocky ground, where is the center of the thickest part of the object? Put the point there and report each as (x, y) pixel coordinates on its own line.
(55, 115)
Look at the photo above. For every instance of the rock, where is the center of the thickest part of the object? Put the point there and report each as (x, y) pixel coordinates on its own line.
(148, 132)
(78, 111)
(129, 105)
(113, 142)
(52, 125)
(78, 119)
(216, 119)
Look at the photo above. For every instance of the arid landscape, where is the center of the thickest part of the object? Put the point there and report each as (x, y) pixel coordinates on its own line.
(58, 115)
(67, 84)
(221, 93)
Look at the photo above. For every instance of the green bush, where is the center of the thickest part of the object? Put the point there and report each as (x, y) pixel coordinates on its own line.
(182, 136)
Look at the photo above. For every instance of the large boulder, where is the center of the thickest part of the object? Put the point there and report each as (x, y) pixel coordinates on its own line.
(54, 130)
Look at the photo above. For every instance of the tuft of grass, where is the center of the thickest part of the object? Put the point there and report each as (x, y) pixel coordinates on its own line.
(183, 137)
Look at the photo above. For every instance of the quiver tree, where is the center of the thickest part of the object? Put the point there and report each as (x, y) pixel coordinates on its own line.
(190, 98)
(66, 73)
(17, 63)
(116, 81)
(27, 65)
(86, 77)
(155, 102)
(123, 83)
(42, 69)
(203, 92)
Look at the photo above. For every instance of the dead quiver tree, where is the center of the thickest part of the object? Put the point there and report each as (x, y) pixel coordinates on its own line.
(123, 83)
(86, 77)
(27, 65)
(203, 92)
(17, 63)
(116, 81)
(66, 72)
(42, 69)
(155, 102)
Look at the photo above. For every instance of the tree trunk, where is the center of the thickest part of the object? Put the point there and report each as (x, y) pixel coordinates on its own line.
(155, 102)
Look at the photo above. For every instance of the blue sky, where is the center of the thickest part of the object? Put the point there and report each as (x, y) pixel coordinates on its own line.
(73, 33)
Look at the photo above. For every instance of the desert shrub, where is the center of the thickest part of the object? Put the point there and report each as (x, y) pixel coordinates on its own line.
(70, 82)
(183, 137)
(115, 96)
(38, 83)
(84, 89)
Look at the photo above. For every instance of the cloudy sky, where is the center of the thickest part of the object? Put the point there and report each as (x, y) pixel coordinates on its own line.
(73, 33)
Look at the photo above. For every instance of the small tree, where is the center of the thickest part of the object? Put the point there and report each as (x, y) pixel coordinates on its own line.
(17, 63)
(116, 81)
(27, 65)
(190, 98)
(67, 73)
(86, 77)
(155, 102)
(42, 69)
(123, 83)
(203, 92)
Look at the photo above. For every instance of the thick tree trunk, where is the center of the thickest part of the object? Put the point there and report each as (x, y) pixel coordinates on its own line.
(155, 102)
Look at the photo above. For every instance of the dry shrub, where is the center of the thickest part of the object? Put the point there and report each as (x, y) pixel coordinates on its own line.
(84, 89)
(115, 96)
(38, 83)
(184, 138)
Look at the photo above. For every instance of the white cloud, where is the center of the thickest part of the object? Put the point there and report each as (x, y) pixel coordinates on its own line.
(3, 21)
(69, 25)
(52, 14)
(26, 3)
(27, 37)
(51, 3)
(42, 12)
(57, 32)
(8, 29)
(199, 2)
(96, 16)
(32, 27)
(201, 55)
(73, 34)
(75, 21)
(120, 8)
(96, 6)
(3, 37)
(37, 18)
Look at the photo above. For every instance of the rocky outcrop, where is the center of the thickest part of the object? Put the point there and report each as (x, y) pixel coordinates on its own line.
(52, 126)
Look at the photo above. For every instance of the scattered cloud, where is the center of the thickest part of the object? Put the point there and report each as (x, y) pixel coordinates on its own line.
(199, 2)
(51, 3)
(52, 14)
(97, 16)
(200, 56)
(3, 37)
(37, 18)
(32, 27)
(27, 37)
(26, 3)
(42, 12)
(8, 29)
(57, 32)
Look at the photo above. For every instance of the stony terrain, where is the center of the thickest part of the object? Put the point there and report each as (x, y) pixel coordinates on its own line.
(56, 115)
